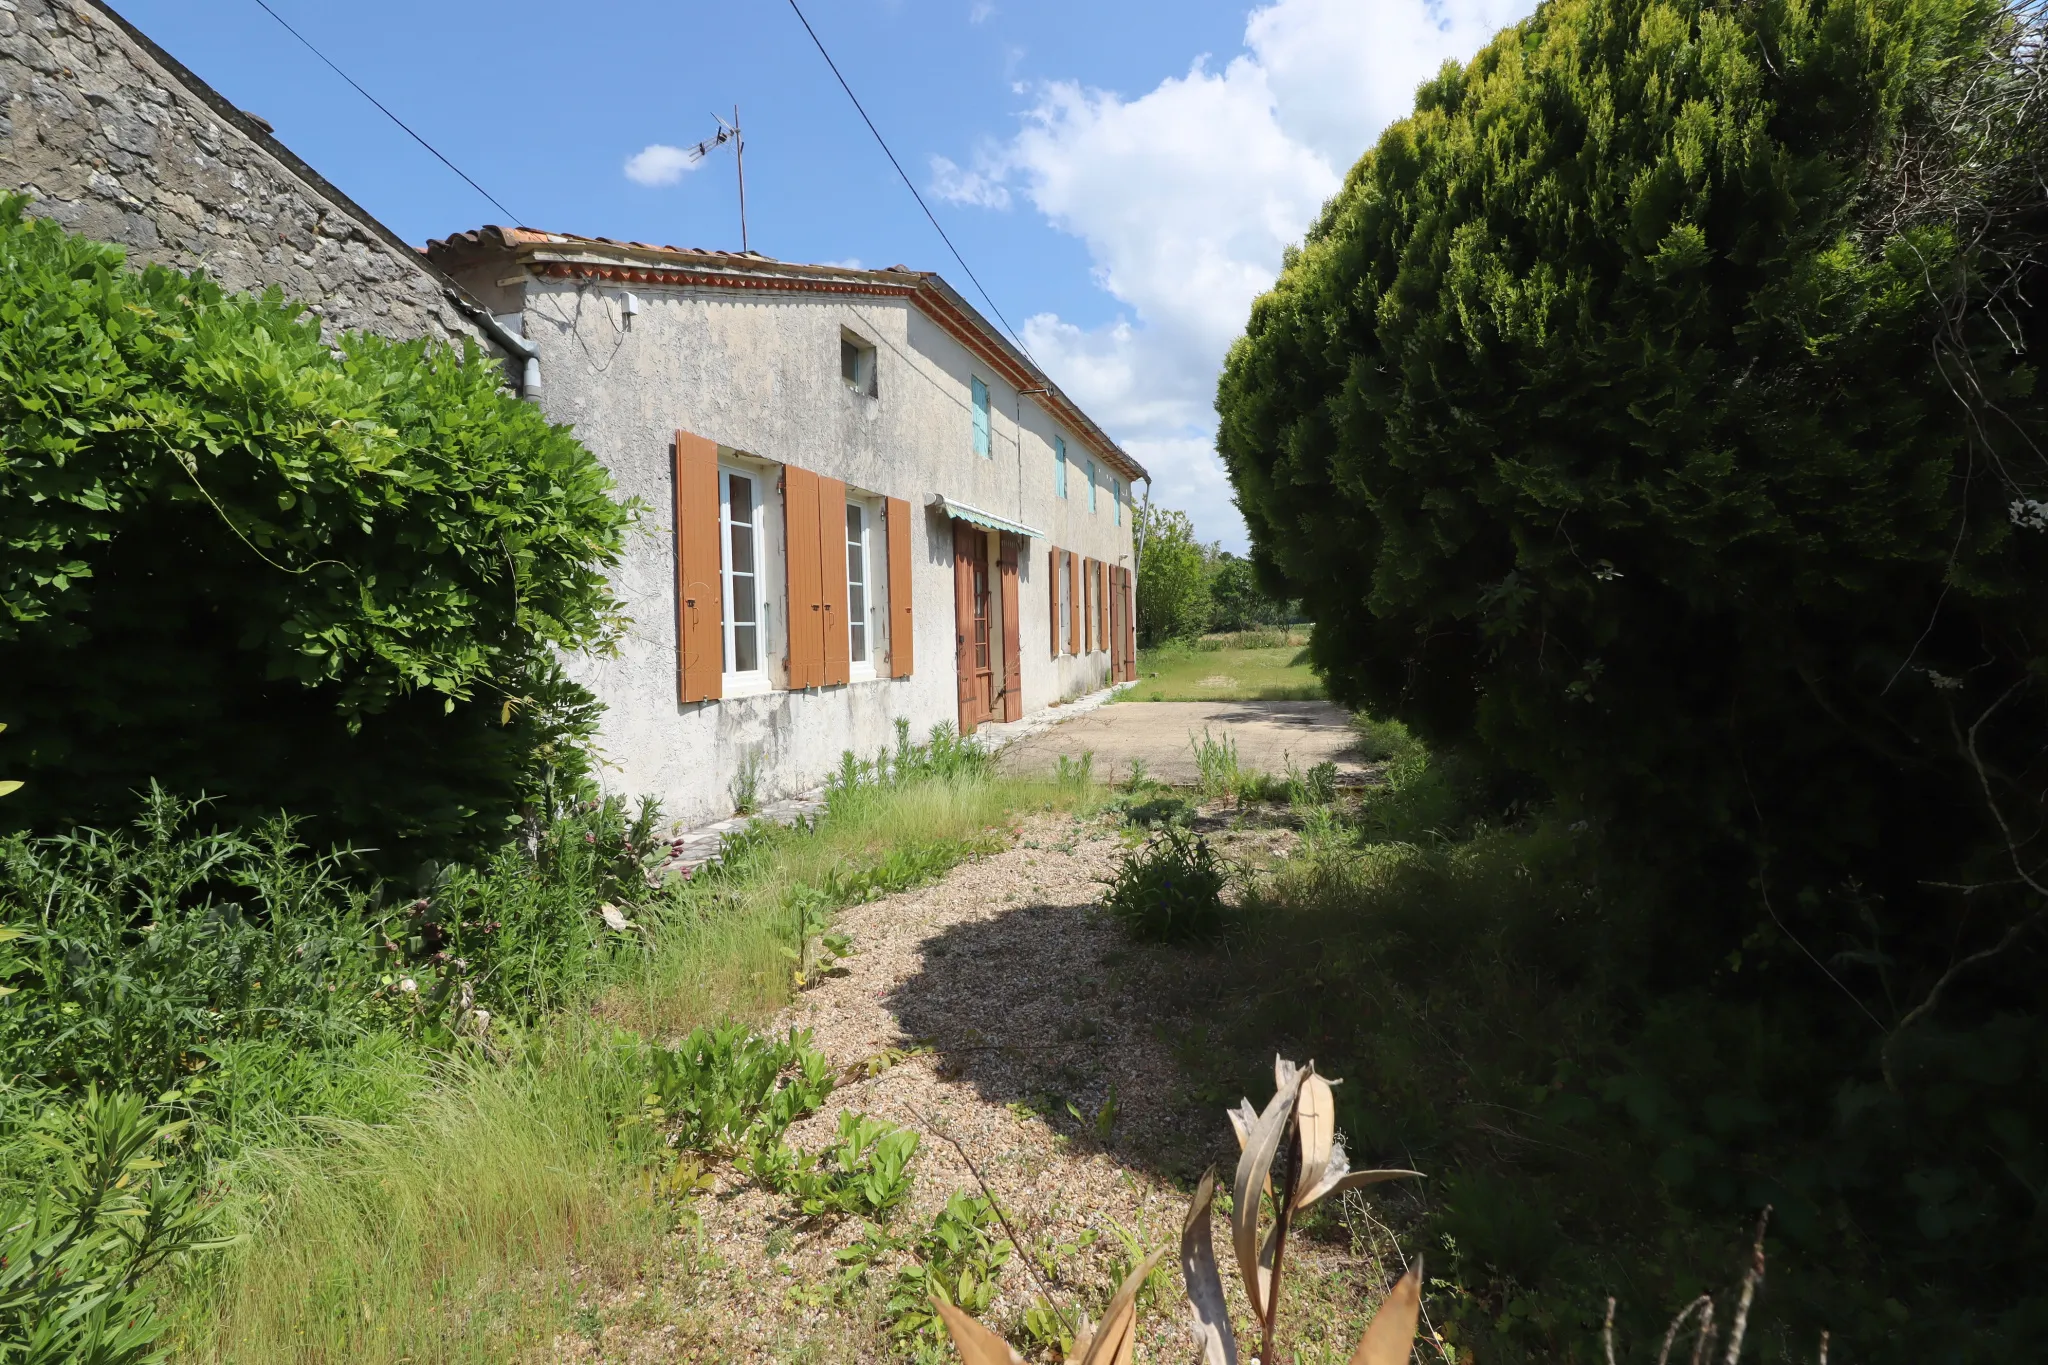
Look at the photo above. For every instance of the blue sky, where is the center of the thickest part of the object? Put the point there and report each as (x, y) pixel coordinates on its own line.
(1122, 175)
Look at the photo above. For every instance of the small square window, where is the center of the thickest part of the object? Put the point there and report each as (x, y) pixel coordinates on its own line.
(857, 364)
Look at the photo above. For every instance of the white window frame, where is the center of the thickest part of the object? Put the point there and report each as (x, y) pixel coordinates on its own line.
(874, 609)
(739, 682)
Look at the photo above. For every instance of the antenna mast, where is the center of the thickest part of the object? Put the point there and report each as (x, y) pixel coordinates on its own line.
(739, 159)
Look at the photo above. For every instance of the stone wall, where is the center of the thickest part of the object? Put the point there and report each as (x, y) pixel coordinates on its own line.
(113, 138)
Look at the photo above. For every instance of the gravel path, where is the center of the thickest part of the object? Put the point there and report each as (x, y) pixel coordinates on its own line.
(1015, 997)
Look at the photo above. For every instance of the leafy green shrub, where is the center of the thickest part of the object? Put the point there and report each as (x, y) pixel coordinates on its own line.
(136, 958)
(726, 1088)
(1169, 891)
(957, 1260)
(865, 1172)
(374, 557)
(1173, 578)
(1638, 424)
(1236, 600)
(107, 1210)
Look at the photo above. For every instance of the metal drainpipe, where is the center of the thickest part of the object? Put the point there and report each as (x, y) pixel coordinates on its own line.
(521, 349)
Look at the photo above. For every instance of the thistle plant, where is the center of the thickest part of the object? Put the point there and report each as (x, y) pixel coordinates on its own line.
(1291, 1159)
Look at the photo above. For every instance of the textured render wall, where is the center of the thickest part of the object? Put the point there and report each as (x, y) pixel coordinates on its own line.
(760, 374)
(117, 145)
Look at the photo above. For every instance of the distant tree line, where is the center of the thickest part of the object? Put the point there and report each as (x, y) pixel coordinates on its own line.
(1186, 587)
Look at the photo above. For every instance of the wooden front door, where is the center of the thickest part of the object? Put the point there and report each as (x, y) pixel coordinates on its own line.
(971, 621)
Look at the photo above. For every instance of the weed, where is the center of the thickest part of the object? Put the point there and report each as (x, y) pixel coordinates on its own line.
(956, 1260)
(727, 1087)
(1217, 772)
(865, 1171)
(1169, 891)
(1381, 741)
(746, 784)
(1316, 787)
(1072, 772)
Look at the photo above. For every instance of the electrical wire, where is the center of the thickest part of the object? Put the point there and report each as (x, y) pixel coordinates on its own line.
(511, 217)
(907, 182)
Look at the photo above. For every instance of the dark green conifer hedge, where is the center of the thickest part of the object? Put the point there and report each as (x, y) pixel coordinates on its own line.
(1654, 416)
(238, 562)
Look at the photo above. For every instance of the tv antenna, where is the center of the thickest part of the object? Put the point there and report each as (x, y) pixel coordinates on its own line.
(729, 132)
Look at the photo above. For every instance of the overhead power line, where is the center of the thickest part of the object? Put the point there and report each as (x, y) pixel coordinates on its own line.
(511, 218)
(907, 182)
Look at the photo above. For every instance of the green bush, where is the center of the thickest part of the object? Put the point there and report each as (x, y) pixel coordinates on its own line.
(135, 959)
(1635, 426)
(1170, 890)
(1173, 578)
(238, 561)
(1236, 599)
(106, 1213)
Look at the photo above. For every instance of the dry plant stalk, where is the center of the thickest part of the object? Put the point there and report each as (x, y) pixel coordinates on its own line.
(1298, 1128)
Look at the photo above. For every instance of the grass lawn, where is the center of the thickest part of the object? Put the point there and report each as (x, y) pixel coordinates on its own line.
(1267, 665)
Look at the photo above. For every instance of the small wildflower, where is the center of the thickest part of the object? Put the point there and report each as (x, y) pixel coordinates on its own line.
(408, 985)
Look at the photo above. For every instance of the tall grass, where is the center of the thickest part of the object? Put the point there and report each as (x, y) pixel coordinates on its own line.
(439, 1230)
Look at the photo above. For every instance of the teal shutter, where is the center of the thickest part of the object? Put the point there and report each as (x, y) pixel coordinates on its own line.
(1059, 467)
(1116, 500)
(981, 445)
(1091, 486)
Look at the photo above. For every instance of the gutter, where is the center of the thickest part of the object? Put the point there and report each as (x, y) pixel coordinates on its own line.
(522, 350)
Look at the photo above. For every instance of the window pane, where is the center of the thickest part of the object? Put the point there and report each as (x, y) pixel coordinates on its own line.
(743, 599)
(849, 361)
(740, 504)
(746, 652)
(856, 603)
(860, 641)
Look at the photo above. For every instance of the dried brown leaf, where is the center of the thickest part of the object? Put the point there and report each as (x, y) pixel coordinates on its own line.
(1204, 1283)
(976, 1344)
(1254, 1167)
(1391, 1337)
(1115, 1341)
(1317, 1116)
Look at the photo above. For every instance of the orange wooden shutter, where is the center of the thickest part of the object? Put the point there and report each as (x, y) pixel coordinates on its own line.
(966, 543)
(800, 558)
(1013, 649)
(700, 595)
(1130, 630)
(1052, 593)
(838, 649)
(901, 639)
(1116, 632)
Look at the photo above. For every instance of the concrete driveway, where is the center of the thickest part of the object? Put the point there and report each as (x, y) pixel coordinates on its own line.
(1162, 734)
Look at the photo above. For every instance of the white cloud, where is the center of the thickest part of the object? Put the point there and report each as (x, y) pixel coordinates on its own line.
(980, 12)
(658, 164)
(850, 263)
(982, 187)
(1187, 195)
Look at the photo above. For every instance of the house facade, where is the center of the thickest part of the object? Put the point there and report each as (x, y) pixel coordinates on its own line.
(861, 504)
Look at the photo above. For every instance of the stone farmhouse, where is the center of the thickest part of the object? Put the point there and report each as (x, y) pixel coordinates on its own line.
(863, 503)
(866, 504)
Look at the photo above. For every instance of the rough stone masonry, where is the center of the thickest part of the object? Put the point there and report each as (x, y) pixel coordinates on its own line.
(114, 139)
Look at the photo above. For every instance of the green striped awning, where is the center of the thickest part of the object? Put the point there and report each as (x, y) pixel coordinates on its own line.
(960, 511)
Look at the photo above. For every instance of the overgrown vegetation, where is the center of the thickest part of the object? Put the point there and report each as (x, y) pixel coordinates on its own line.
(377, 555)
(1171, 890)
(398, 1116)
(1652, 422)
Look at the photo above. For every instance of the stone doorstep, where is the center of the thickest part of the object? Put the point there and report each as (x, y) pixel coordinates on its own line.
(690, 849)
